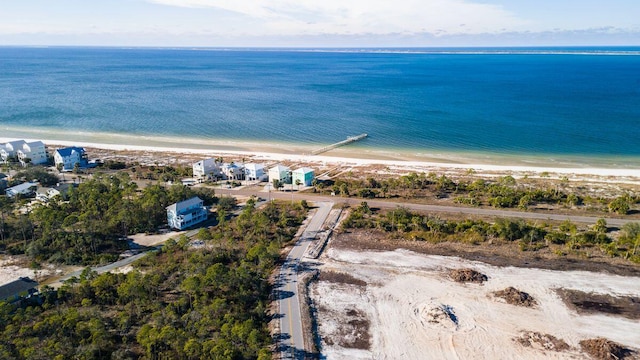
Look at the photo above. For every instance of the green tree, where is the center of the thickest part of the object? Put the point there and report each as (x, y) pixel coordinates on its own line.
(277, 184)
(600, 226)
(620, 205)
(631, 236)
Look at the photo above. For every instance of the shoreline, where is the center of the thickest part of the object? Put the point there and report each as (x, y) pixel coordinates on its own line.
(349, 155)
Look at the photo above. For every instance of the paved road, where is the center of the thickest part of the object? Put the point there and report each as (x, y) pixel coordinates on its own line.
(385, 204)
(100, 269)
(291, 332)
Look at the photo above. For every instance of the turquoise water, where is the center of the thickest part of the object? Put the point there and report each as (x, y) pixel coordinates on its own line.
(573, 103)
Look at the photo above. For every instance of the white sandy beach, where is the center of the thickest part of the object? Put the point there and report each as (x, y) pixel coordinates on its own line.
(347, 157)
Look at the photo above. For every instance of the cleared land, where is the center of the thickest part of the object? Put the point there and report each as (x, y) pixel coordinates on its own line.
(401, 304)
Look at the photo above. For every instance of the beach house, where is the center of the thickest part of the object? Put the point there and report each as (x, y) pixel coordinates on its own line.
(281, 173)
(32, 153)
(206, 169)
(67, 158)
(186, 213)
(9, 151)
(233, 171)
(254, 172)
(303, 176)
(24, 189)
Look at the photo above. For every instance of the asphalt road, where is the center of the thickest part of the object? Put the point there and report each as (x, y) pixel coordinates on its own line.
(100, 269)
(291, 331)
(385, 204)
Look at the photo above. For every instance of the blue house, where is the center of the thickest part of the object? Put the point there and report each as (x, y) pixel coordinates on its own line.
(186, 213)
(67, 158)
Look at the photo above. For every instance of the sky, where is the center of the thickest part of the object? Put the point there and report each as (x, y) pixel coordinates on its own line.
(320, 23)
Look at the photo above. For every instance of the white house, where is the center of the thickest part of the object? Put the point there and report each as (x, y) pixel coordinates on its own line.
(186, 213)
(303, 176)
(68, 157)
(10, 149)
(233, 171)
(45, 194)
(23, 189)
(254, 172)
(281, 173)
(32, 153)
(206, 169)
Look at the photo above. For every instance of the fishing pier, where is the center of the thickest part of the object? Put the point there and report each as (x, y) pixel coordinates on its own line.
(349, 140)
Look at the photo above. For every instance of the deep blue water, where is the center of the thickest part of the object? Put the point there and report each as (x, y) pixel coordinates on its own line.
(576, 102)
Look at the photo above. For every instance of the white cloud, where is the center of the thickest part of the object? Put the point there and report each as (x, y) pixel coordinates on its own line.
(312, 17)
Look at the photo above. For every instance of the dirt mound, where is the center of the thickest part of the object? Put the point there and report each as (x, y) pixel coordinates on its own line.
(542, 341)
(514, 296)
(467, 275)
(603, 349)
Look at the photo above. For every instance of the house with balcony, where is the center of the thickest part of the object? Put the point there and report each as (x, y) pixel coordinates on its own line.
(303, 176)
(254, 172)
(281, 173)
(67, 158)
(233, 171)
(187, 213)
(9, 151)
(207, 169)
(33, 153)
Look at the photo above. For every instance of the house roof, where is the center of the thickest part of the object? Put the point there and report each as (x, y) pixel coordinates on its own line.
(233, 165)
(16, 287)
(185, 204)
(35, 144)
(22, 187)
(43, 190)
(16, 144)
(303, 170)
(280, 168)
(64, 152)
(254, 166)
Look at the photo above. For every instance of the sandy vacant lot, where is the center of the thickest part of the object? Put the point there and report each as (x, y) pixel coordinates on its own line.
(410, 308)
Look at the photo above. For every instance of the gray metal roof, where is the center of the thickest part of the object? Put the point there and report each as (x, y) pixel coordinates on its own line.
(16, 287)
(22, 187)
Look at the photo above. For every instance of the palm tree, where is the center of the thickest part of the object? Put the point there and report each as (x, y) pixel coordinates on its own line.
(298, 183)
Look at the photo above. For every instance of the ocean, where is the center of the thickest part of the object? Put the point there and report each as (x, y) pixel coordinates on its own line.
(573, 106)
